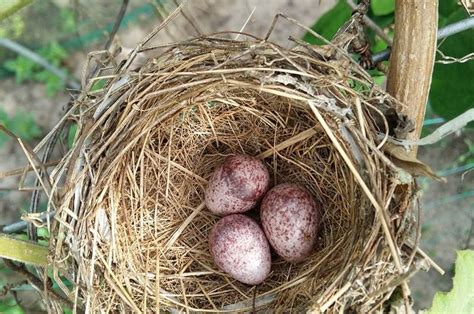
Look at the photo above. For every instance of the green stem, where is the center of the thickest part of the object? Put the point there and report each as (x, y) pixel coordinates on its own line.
(23, 251)
(8, 8)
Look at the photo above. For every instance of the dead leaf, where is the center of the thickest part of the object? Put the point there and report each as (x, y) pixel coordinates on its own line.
(402, 159)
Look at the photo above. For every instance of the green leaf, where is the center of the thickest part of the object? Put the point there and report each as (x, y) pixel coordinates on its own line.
(25, 126)
(461, 298)
(25, 69)
(329, 23)
(53, 85)
(451, 89)
(379, 80)
(379, 44)
(71, 135)
(22, 125)
(43, 232)
(67, 310)
(446, 9)
(68, 20)
(22, 67)
(3, 121)
(382, 7)
(383, 21)
(54, 53)
(98, 85)
(9, 306)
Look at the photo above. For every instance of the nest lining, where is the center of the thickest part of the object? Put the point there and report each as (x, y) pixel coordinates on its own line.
(148, 141)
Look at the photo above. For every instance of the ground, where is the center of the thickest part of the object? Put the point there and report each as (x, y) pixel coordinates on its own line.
(447, 207)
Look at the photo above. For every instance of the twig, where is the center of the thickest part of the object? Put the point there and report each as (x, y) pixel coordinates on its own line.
(189, 20)
(448, 59)
(22, 170)
(444, 32)
(27, 53)
(35, 197)
(118, 21)
(20, 225)
(10, 288)
(35, 281)
(430, 261)
(372, 25)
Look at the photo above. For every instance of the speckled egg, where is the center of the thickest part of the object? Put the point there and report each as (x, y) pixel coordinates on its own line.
(290, 218)
(237, 185)
(239, 248)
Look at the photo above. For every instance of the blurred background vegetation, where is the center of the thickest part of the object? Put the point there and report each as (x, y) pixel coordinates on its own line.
(63, 32)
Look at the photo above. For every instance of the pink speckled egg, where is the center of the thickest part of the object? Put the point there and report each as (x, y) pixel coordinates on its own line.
(290, 218)
(237, 185)
(239, 248)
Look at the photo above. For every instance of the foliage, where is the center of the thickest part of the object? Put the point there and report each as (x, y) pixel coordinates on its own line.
(451, 88)
(382, 7)
(22, 125)
(67, 17)
(13, 27)
(9, 306)
(451, 93)
(26, 69)
(328, 24)
(71, 134)
(461, 298)
(381, 12)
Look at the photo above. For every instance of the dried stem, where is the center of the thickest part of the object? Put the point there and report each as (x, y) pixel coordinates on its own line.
(412, 60)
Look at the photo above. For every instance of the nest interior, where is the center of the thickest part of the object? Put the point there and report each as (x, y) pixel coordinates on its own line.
(131, 212)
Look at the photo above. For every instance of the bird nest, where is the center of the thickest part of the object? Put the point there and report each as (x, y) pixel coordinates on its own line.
(131, 230)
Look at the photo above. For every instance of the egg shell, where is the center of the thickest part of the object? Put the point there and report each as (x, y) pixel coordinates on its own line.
(290, 219)
(239, 248)
(237, 185)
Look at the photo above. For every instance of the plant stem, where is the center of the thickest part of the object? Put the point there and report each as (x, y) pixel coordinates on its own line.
(372, 25)
(27, 53)
(20, 225)
(444, 32)
(8, 8)
(412, 60)
(38, 284)
(23, 251)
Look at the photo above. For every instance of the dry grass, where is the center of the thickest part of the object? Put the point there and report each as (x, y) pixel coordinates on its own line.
(131, 229)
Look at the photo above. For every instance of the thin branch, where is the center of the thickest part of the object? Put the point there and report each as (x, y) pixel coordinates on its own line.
(27, 53)
(444, 32)
(372, 25)
(448, 59)
(20, 225)
(118, 21)
(455, 28)
(36, 195)
(35, 281)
